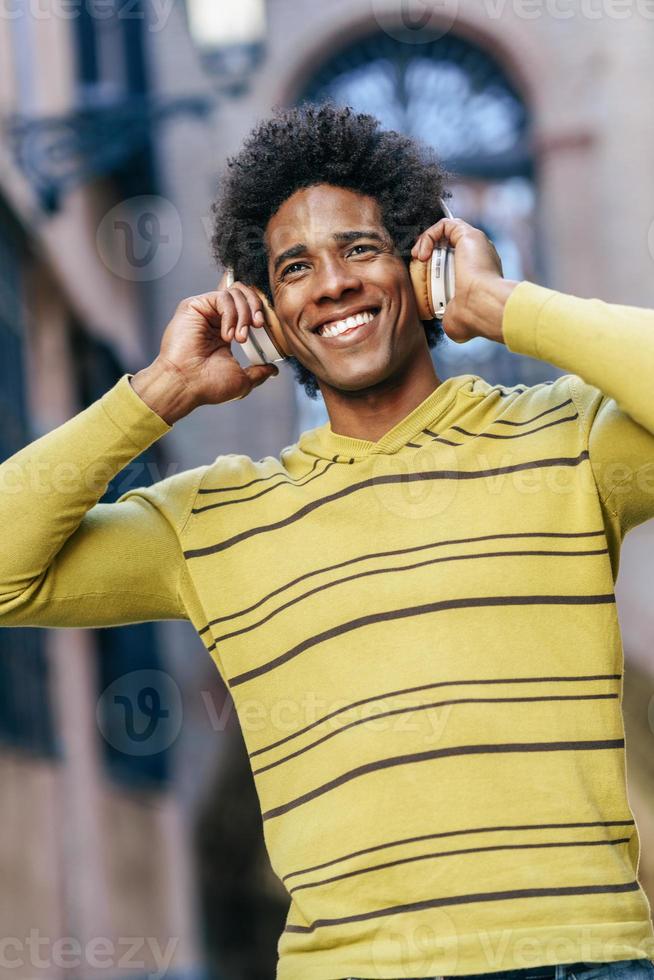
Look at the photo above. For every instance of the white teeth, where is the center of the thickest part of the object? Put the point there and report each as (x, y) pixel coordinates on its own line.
(340, 326)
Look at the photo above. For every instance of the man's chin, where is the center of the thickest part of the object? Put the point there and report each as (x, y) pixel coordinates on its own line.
(358, 381)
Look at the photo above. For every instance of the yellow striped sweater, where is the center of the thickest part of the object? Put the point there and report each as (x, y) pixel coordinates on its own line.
(420, 636)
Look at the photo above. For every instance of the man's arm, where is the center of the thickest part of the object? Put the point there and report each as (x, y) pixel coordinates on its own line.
(608, 350)
(67, 560)
(609, 346)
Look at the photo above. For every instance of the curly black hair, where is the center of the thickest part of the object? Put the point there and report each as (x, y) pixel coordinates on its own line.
(328, 144)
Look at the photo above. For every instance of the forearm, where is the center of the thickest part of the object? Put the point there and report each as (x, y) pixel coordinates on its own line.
(609, 346)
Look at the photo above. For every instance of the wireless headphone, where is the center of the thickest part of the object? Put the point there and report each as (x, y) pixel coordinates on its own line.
(433, 287)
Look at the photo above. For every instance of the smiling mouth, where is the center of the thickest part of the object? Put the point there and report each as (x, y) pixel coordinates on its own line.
(352, 326)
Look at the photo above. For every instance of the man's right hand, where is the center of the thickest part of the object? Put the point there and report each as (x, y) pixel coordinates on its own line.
(195, 365)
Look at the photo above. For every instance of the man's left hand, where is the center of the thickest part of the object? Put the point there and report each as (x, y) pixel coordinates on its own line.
(481, 291)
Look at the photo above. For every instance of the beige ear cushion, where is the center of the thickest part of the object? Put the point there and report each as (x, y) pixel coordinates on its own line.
(274, 326)
(420, 273)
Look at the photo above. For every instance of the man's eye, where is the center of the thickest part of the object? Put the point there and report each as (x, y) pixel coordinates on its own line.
(368, 247)
(293, 265)
(299, 265)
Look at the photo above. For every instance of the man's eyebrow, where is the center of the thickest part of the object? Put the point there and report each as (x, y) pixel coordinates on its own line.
(290, 253)
(351, 236)
(339, 236)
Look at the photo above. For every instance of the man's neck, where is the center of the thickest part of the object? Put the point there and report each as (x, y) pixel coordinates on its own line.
(371, 413)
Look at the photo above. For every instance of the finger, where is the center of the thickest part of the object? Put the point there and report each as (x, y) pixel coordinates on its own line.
(448, 229)
(257, 317)
(239, 332)
(229, 313)
(428, 240)
(214, 307)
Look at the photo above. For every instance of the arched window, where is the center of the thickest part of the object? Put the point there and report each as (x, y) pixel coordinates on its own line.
(453, 96)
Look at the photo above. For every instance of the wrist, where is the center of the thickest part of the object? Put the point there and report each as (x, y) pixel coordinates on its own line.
(487, 300)
(163, 389)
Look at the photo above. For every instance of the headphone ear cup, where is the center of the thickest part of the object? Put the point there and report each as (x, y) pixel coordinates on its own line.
(420, 273)
(262, 346)
(273, 330)
(433, 283)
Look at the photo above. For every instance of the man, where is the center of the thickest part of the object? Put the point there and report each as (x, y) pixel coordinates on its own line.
(413, 606)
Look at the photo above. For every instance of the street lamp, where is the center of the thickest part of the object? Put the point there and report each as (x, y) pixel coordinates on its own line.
(230, 39)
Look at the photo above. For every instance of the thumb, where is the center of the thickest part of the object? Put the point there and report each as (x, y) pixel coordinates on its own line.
(257, 373)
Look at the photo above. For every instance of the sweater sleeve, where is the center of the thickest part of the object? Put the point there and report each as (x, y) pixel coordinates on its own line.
(609, 351)
(69, 561)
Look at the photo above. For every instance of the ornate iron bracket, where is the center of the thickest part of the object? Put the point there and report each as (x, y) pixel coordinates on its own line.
(57, 153)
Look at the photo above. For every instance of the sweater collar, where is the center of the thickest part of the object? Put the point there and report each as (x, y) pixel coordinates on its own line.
(326, 444)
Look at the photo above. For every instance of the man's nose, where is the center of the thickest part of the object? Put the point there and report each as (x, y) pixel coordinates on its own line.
(332, 278)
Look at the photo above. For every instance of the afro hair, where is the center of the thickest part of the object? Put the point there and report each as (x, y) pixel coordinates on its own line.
(328, 144)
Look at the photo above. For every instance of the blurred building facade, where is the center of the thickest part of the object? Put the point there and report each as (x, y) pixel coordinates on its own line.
(92, 851)
(528, 107)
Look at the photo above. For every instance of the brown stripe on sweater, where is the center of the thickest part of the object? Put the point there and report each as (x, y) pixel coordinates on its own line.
(464, 850)
(437, 438)
(547, 411)
(468, 602)
(426, 707)
(534, 418)
(490, 748)
(458, 833)
(400, 568)
(504, 394)
(264, 479)
(389, 478)
(399, 551)
(262, 493)
(575, 678)
(509, 895)
(516, 435)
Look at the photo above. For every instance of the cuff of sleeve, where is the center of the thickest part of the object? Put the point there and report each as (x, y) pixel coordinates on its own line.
(521, 318)
(134, 418)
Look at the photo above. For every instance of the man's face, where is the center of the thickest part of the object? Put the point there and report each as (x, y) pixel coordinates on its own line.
(330, 257)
